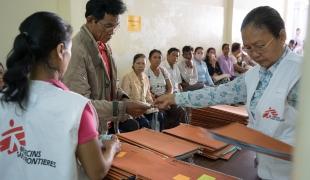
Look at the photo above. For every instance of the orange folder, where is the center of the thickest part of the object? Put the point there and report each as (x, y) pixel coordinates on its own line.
(251, 139)
(148, 165)
(161, 143)
(197, 135)
(234, 110)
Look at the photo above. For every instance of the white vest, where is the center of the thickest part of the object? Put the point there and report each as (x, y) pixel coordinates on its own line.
(273, 115)
(45, 141)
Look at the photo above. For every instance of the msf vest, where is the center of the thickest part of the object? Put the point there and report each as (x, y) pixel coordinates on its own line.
(273, 115)
(40, 142)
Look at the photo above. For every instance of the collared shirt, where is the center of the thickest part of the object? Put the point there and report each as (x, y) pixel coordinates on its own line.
(226, 65)
(104, 57)
(203, 73)
(188, 74)
(175, 75)
(229, 93)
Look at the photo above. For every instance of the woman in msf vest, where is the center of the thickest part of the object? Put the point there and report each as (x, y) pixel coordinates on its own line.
(47, 131)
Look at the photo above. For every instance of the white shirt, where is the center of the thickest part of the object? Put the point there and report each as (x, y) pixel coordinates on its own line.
(174, 74)
(158, 83)
(189, 75)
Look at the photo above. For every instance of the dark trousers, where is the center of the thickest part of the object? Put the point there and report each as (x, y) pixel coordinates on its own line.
(174, 116)
(126, 126)
(146, 120)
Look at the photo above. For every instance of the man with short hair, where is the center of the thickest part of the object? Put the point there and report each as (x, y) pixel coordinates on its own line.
(175, 75)
(188, 70)
(92, 71)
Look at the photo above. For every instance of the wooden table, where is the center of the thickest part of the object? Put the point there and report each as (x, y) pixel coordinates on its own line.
(240, 165)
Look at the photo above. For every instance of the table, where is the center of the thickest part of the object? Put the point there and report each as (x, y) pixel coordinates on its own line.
(240, 165)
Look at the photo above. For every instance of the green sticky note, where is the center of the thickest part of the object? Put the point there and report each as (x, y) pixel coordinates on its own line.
(206, 177)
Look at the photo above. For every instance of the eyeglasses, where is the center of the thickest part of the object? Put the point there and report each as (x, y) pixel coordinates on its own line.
(109, 26)
(258, 48)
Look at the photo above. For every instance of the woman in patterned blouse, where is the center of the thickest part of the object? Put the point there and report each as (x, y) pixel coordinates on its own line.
(269, 89)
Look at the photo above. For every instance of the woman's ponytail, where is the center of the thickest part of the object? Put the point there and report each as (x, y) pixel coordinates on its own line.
(19, 64)
(40, 33)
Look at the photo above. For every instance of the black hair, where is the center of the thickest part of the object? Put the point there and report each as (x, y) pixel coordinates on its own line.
(197, 48)
(225, 44)
(208, 50)
(173, 49)
(39, 34)
(187, 49)
(235, 47)
(136, 57)
(292, 41)
(265, 16)
(154, 51)
(98, 8)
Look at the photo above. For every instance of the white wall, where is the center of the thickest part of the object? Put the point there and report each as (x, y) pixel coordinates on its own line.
(296, 18)
(166, 24)
(77, 13)
(13, 12)
(242, 7)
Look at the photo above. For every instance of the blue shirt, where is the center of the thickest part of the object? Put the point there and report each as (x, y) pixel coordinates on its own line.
(203, 73)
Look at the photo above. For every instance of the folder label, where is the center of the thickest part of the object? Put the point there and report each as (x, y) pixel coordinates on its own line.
(206, 177)
(181, 177)
(121, 154)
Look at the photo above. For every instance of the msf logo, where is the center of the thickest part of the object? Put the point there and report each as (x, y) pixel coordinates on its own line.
(271, 113)
(12, 138)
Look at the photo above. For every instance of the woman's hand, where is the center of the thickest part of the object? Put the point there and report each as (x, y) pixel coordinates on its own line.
(114, 144)
(164, 101)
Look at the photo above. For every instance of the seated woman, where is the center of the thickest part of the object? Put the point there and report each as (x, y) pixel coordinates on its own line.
(226, 62)
(202, 69)
(137, 86)
(160, 85)
(41, 115)
(214, 68)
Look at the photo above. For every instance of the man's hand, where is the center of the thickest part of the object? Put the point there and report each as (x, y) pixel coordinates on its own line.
(136, 108)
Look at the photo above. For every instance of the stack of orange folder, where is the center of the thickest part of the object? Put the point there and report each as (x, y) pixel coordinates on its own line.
(211, 148)
(251, 139)
(137, 163)
(161, 143)
(217, 116)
